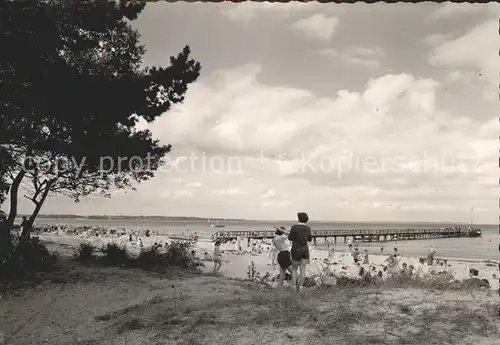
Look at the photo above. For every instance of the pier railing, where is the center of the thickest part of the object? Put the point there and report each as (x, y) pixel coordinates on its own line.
(341, 233)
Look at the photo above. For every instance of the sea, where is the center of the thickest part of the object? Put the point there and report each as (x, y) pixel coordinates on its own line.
(465, 249)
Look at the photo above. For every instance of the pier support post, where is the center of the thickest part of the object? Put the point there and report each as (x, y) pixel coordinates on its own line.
(314, 240)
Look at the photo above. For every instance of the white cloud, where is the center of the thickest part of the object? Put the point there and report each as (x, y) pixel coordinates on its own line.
(362, 56)
(275, 204)
(193, 185)
(358, 61)
(328, 52)
(365, 51)
(452, 10)
(476, 49)
(435, 39)
(384, 91)
(387, 148)
(247, 11)
(229, 191)
(387, 144)
(318, 26)
(462, 76)
(270, 193)
(182, 194)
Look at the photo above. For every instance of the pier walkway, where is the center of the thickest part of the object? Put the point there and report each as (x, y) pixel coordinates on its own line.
(363, 235)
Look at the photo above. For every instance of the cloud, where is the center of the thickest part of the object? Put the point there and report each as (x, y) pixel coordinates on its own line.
(358, 61)
(319, 126)
(477, 49)
(362, 56)
(328, 52)
(452, 10)
(247, 11)
(435, 39)
(276, 204)
(387, 144)
(318, 26)
(365, 51)
(182, 194)
(193, 185)
(462, 76)
(270, 193)
(229, 192)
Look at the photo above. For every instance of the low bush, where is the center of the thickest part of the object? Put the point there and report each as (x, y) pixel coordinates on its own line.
(176, 255)
(34, 255)
(148, 258)
(114, 255)
(85, 252)
(25, 257)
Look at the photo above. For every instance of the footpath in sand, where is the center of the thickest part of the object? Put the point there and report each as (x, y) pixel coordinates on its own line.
(105, 306)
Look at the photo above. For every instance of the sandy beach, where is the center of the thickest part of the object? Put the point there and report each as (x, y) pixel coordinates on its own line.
(92, 304)
(340, 264)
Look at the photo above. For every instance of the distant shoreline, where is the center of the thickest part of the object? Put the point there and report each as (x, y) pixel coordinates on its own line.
(78, 217)
(191, 218)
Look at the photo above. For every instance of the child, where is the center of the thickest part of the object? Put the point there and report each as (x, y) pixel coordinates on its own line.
(430, 256)
(331, 253)
(217, 257)
(355, 255)
(365, 259)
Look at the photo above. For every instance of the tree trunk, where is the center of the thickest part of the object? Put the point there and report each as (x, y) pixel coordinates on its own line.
(27, 230)
(6, 226)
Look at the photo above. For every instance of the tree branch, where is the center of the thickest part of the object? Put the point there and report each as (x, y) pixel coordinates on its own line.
(32, 199)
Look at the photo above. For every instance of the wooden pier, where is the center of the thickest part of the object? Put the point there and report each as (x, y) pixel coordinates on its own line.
(360, 235)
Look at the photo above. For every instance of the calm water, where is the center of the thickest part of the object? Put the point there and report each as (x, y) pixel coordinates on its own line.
(465, 248)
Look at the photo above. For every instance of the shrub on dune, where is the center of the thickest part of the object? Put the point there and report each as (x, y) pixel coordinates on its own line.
(178, 254)
(26, 257)
(148, 258)
(114, 255)
(85, 252)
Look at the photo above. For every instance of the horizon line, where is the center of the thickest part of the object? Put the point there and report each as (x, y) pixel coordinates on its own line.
(247, 219)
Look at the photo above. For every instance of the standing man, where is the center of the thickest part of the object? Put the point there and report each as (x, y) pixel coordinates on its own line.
(300, 234)
(25, 228)
(284, 259)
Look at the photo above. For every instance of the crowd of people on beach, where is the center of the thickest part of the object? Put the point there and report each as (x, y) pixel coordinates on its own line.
(289, 252)
(136, 237)
(292, 262)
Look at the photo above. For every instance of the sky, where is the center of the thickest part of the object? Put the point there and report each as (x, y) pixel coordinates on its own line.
(355, 112)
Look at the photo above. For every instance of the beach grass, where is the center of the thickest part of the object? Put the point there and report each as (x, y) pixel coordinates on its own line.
(177, 254)
(93, 304)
